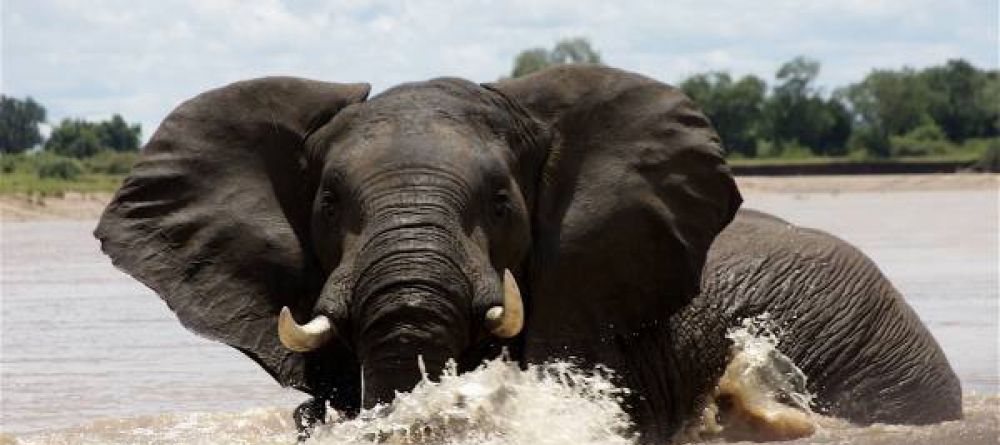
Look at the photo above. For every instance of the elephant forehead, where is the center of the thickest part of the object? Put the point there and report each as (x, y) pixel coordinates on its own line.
(429, 141)
(419, 157)
(444, 123)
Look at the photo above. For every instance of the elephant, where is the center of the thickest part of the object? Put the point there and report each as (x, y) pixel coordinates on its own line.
(865, 353)
(334, 238)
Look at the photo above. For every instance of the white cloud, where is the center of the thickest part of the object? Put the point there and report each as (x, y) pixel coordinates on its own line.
(94, 58)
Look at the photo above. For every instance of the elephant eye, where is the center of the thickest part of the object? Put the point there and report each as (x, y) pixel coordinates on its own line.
(501, 204)
(329, 203)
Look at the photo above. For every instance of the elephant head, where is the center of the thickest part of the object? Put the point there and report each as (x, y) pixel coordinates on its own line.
(334, 238)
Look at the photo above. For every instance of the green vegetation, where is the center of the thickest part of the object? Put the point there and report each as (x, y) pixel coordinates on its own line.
(972, 151)
(797, 114)
(989, 161)
(945, 112)
(82, 139)
(78, 155)
(730, 103)
(949, 112)
(19, 121)
(574, 50)
(47, 173)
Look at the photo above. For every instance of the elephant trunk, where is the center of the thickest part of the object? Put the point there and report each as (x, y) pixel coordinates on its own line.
(405, 342)
(411, 300)
(415, 329)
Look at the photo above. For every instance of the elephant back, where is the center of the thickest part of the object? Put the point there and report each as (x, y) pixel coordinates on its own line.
(867, 355)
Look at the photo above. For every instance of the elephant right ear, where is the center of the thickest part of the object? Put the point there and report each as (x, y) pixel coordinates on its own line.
(215, 214)
(632, 193)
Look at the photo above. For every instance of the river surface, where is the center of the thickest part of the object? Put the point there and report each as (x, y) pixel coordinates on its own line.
(88, 355)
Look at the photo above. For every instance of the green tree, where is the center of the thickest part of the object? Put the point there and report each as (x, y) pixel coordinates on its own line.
(733, 107)
(838, 131)
(960, 113)
(118, 135)
(81, 139)
(19, 121)
(797, 75)
(75, 138)
(797, 113)
(529, 61)
(989, 100)
(890, 103)
(572, 50)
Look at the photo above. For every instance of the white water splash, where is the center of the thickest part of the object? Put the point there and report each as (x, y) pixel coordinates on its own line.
(762, 394)
(762, 365)
(496, 404)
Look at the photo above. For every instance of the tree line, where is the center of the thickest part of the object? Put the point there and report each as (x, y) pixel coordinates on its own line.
(890, 113)
(20, 121)
(76, 151)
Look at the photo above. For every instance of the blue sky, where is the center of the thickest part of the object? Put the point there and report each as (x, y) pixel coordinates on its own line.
(90, 59)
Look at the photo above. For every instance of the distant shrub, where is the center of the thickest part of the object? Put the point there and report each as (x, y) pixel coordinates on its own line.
(795, 150)
(111, 162)
(868, 142)
(978, 147)
(924, 140)
(990, 160)
(8, 164)
(58, 167)
(15, 163)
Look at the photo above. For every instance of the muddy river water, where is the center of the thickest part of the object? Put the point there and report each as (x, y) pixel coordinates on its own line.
(91, 356)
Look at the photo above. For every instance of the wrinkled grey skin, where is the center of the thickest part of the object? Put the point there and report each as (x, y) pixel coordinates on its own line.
(396, 216)
(867, 356)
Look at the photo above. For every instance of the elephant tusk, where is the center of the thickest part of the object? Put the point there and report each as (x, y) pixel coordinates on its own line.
(304, 338)
(506, 321)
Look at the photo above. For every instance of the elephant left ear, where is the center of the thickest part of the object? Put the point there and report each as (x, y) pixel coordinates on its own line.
(633, 190)
(214, 216)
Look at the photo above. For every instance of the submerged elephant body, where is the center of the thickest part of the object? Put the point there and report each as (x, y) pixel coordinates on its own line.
(866, 355)
(563, 214)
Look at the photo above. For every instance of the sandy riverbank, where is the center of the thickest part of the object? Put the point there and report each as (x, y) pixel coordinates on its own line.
(88, 206)
(868, 183)
(69, 206)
